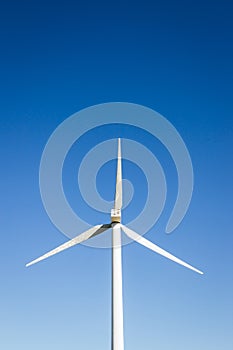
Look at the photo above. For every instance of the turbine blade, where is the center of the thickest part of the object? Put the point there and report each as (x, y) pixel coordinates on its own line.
(118, 193)
(136, 237)
(80, 238)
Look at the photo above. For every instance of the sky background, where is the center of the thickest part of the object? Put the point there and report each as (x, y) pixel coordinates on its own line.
(174, 57)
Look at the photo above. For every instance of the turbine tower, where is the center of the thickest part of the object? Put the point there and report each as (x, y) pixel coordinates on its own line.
(117, 227)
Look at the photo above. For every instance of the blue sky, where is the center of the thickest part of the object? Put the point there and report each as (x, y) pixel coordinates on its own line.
(59, 57)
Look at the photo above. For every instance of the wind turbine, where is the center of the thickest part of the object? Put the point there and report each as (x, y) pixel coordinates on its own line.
(117, 298)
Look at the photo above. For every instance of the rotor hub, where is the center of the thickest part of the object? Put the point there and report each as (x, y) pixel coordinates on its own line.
(116, 215)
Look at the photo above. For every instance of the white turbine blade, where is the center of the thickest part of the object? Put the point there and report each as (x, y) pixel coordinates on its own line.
(80, 238)
(118, 193)
(136, 237)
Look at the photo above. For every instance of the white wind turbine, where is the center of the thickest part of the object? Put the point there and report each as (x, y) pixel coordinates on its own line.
(117, 300)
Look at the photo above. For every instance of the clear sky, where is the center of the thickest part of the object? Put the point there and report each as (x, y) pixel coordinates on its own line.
(58, 57)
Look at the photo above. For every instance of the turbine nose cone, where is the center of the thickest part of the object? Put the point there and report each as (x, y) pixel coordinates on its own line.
(116, 215)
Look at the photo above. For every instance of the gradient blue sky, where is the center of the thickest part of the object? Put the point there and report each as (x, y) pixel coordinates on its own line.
(59, 57)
